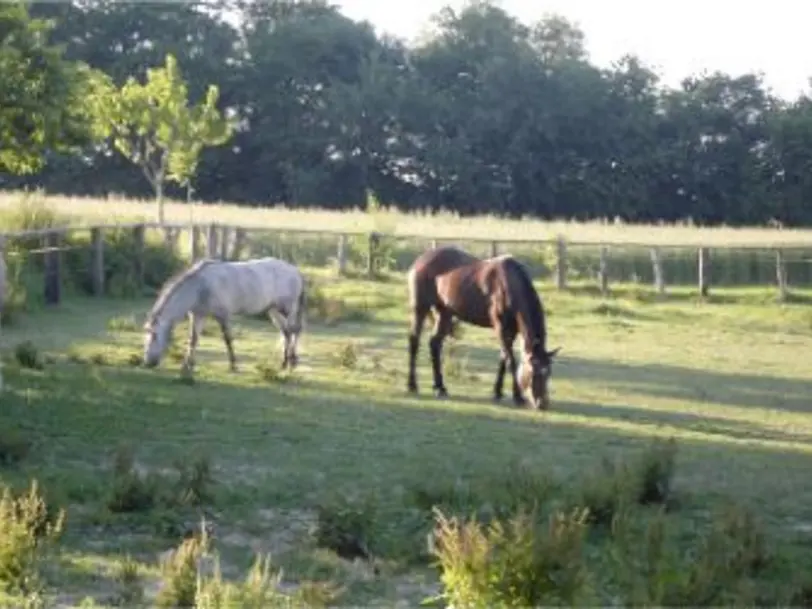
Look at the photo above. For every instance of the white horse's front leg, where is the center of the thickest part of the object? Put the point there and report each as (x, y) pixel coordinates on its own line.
(195, 328)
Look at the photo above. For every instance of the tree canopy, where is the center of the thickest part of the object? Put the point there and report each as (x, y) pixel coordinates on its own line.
(486, 115)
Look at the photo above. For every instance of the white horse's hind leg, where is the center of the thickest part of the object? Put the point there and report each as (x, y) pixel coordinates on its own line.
(228, 339)
(281, 323)
(195, 328)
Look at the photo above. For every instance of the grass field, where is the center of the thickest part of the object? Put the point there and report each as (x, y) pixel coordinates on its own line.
(441, 225)
(731, 382)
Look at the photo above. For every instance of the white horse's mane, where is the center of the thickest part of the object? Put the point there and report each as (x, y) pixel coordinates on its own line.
(173, 284)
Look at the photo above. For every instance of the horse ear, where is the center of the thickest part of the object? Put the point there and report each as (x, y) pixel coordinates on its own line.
(553, 353)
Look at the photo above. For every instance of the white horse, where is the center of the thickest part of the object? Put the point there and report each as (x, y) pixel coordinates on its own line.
(221, 289)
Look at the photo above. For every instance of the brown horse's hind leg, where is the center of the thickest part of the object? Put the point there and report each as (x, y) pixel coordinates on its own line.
(416, 329)
(442, 328)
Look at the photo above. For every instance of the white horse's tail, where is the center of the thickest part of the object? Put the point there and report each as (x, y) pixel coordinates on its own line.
(297, 315)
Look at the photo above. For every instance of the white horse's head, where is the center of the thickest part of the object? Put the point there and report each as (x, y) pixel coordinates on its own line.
(157, 336)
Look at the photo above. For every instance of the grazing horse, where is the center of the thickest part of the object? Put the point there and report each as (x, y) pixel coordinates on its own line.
(493, 293)
(221, 289)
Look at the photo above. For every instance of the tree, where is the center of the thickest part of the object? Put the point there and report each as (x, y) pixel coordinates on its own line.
(41, 94)
(153, 126)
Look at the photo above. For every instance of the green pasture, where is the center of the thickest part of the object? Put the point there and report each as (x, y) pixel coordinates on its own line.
(728, 378)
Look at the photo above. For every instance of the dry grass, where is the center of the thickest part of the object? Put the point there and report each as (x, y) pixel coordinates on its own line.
(88, 211)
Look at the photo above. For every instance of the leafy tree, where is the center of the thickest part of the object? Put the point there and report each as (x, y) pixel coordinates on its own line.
(41, 94)
(153, 125)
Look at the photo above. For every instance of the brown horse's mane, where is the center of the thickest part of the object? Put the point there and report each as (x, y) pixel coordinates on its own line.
(529, 305)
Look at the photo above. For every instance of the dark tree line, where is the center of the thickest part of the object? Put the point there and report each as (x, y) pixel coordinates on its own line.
(488, 115)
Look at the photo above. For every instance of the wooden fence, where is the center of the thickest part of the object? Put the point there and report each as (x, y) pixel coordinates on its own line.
(227, 242)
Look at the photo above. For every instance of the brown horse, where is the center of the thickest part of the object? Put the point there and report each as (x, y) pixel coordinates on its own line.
(493, 293)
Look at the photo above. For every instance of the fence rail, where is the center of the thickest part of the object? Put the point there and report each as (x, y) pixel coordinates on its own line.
(223, 241)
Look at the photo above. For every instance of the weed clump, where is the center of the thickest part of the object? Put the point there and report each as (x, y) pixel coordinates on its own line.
(28, 356)
(123, 324)
(345, 525)
(347, 356)
(14, 446)
(513, 563)
(28, 531)
(133, 491)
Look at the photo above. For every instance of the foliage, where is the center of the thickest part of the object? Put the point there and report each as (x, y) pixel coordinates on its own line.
(28, 356)
(513, 564)
(330, 113)
(345, 524)
(42, 95)
(131, 490)
(28, 530)
(153, 126)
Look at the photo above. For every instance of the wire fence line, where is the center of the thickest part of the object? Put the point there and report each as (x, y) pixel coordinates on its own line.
(129, 259)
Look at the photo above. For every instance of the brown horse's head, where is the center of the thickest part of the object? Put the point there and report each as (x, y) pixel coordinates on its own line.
(534, 375)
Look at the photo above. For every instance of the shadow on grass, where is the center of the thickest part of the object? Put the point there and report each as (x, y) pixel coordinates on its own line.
(692, 384)
(288, 445)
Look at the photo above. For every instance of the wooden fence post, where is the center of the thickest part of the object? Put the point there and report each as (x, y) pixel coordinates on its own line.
(704, 271)
(52, 268)
(561, 263)
(239, 243)
(226, 234)
(372, 253)
(657, 267)
(138, 263)
(781, 276)
(434, 244)
(603, 271)
(97, 261)
(196, 238)
(341, 255)
(211, 241)
(494, 249)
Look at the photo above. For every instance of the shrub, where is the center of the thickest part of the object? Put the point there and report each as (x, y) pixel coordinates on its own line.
(345, 525)
(132, 491)
(656, 571)
(28, 356)
(347, 356)
(14, 446)
(513, 563)
(656, 471)
(180, 572)
(28, 530)
(607, 491)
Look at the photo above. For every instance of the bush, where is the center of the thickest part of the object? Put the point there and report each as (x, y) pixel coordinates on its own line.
(28, 356)
(345, 525)
(513, 563)
(28, 530)
(187, 583)
(14, 446)
(347, 356)
(132, 491)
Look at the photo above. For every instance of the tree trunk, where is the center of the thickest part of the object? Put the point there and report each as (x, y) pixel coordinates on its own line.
(159, 198)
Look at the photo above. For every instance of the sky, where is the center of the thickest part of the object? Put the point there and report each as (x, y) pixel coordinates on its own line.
(677, 38)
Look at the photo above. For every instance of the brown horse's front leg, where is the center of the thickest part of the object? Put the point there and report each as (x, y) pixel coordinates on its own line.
(418, 317)
(442, 328)
(507, 335)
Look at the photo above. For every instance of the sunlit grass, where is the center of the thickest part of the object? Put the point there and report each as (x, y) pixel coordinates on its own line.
(84, 210)
(730, 381)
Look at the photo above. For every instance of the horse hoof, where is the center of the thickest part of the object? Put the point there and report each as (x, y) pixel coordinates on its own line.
(412, 389)
(519, 402)
(497, 398)
(441, 393)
